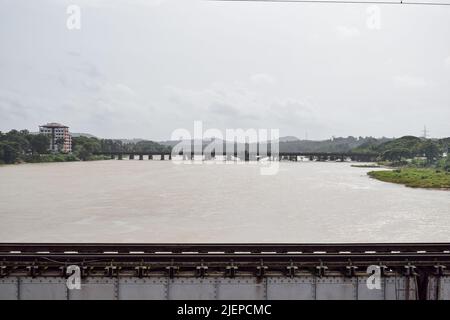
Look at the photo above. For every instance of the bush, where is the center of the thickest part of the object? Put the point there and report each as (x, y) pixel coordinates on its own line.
(444, 163)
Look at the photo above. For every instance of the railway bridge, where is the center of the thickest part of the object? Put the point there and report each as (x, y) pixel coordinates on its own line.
(403, 271)
(245, 156)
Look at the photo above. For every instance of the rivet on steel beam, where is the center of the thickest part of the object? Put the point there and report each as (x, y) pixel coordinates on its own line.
(201, 270)
(410, 270)
(3, 271)
(231, 269)
(63, 271)
(261, 269)
(383, 269)
(85, 270)
(33, 270)
(439, 269)
(172, 270)
(350, 270)
(321, 269)
(291, 270)
(142, 270)
(112, 270)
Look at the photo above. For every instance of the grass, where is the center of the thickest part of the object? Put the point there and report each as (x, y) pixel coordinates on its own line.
(58, 157)
(365, 166)
(415, 177)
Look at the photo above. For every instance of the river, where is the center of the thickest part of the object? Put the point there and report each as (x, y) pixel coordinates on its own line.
(159, 201)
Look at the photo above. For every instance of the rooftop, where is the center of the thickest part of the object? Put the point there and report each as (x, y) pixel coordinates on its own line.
(54, 125)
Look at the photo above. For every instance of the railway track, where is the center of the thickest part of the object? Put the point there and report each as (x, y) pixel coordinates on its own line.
(273, 257)
(227, 248)
(417, 270)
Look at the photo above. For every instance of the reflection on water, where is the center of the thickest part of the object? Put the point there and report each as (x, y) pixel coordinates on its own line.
(157, 201)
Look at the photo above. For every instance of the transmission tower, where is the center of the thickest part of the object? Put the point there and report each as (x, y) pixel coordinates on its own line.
(425, 133)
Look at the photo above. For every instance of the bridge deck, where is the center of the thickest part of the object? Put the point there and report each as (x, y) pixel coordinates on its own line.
(427, 255)
(224, 271)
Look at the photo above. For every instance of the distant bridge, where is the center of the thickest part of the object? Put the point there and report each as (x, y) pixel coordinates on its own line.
(225, 271)
(246, 156)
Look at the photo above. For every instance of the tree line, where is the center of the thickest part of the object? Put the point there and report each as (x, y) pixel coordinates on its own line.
(86, 147)
(23, 146)
(420, 152)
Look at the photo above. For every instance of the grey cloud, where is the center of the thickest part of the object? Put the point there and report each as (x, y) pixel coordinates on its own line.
(223, 109)
(142, 68)
(410, 81)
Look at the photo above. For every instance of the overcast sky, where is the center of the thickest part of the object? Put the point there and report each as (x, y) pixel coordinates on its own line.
(143, 68)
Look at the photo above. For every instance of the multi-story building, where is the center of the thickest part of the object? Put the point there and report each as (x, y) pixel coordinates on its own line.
(60, 137)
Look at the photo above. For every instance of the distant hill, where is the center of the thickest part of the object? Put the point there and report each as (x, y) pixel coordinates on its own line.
(293, 144)
(134, 140)
(288, 139)
(339, 144)
(78, 134)
(169, 143)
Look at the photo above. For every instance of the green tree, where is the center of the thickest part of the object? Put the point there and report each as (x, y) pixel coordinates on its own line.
(85, 147)
(444, 163)
(60, 144)
(39, 143)
(430, 150)
(9, 152)
(396, 154)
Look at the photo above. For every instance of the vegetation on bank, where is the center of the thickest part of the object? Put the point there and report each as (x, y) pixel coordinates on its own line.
(407, 150)
(418, 162)
(334, 145)
(415, 177)
(23, 146)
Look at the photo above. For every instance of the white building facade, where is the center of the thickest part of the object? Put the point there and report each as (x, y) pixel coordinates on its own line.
(60, 137)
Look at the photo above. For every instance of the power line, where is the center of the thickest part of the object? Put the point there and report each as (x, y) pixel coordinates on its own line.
(347, 2)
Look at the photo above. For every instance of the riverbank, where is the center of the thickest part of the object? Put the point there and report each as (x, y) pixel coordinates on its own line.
(59, 157)
(415, 177)
(365, 166)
